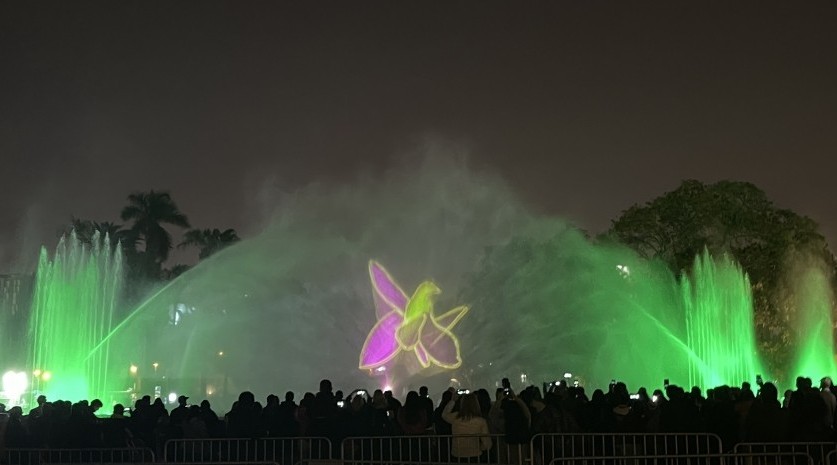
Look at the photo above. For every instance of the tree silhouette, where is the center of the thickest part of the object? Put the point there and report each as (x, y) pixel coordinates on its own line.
(209, 241)
(149, 211)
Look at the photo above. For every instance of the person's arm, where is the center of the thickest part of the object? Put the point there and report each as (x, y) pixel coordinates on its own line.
(525, 408)
(495, 415)
(485, 441)
(447, 413)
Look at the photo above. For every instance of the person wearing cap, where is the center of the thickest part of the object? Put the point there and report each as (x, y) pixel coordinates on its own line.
(180, 414)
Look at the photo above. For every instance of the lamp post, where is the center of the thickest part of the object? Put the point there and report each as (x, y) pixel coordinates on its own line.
(134, 370)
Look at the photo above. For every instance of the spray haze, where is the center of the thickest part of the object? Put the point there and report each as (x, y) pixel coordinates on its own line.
(294, 303)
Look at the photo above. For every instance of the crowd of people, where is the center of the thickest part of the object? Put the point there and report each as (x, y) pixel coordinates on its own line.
(735, 414)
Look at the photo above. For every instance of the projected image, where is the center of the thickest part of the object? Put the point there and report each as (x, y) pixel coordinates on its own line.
(409, 324)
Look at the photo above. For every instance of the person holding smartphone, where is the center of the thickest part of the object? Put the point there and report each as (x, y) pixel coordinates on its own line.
(467, 423)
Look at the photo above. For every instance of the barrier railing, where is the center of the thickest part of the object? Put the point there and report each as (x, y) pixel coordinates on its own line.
(545, 448)
(432, 449)
(282, 451)
(779, 458)
(818, 451)
(80, 456)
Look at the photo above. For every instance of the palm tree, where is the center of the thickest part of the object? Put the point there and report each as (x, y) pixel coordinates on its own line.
(149, 211)
(86, 230)
(209, 241)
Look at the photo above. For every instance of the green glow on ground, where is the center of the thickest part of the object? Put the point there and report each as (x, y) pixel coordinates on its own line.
(72, 311)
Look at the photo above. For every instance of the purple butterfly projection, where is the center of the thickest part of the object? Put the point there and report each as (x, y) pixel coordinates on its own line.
(410, 325)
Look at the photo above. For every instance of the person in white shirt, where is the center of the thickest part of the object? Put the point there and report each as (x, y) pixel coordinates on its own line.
(467, 422)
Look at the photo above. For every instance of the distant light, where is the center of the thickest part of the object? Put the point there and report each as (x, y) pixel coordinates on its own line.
(155, 365)
(380, 369)
(14, 384)
(134, 369)
(523, 378)
(568, 375)
(172, 397)
(37, 373)
(624, 269)
(221, 353)
(654, 398)
(46, 376)
(387, 388)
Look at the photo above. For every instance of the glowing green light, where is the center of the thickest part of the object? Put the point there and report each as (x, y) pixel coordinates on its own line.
(72, 311)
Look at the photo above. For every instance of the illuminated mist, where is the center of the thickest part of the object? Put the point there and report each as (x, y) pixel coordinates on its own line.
(293, 305)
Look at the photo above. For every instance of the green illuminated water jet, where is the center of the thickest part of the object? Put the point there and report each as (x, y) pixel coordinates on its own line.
(73, 307)
(813, 325)
(719, 322)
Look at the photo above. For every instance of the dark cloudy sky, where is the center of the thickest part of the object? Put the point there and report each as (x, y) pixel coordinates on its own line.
(586, 107)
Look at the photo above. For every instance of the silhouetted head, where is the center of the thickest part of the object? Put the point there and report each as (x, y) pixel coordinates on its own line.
(825, 383)
(800, 382)
(358, 402)
(447, 395)
(181, 401)
(42, 399)
(325, 386)
(378, 399)
(769, 392)
(746, 395)
(338, 395)
(246, 398)
(118, 409)
(423, 391)
(205, 405)
(95, 405)
(469, 407)
(289, 396)
(412, 398)
(272, 399)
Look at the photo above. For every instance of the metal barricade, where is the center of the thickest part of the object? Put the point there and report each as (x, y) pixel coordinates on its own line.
(490, 449)
(779, 458)
(548, 447)
(831, 458)
(76, 456)
(818, 451)
(282, 451)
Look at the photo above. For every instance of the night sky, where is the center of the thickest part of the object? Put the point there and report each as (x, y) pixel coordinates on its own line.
(585, 107)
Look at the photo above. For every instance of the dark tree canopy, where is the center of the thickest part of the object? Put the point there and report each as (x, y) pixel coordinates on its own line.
(209, 241)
